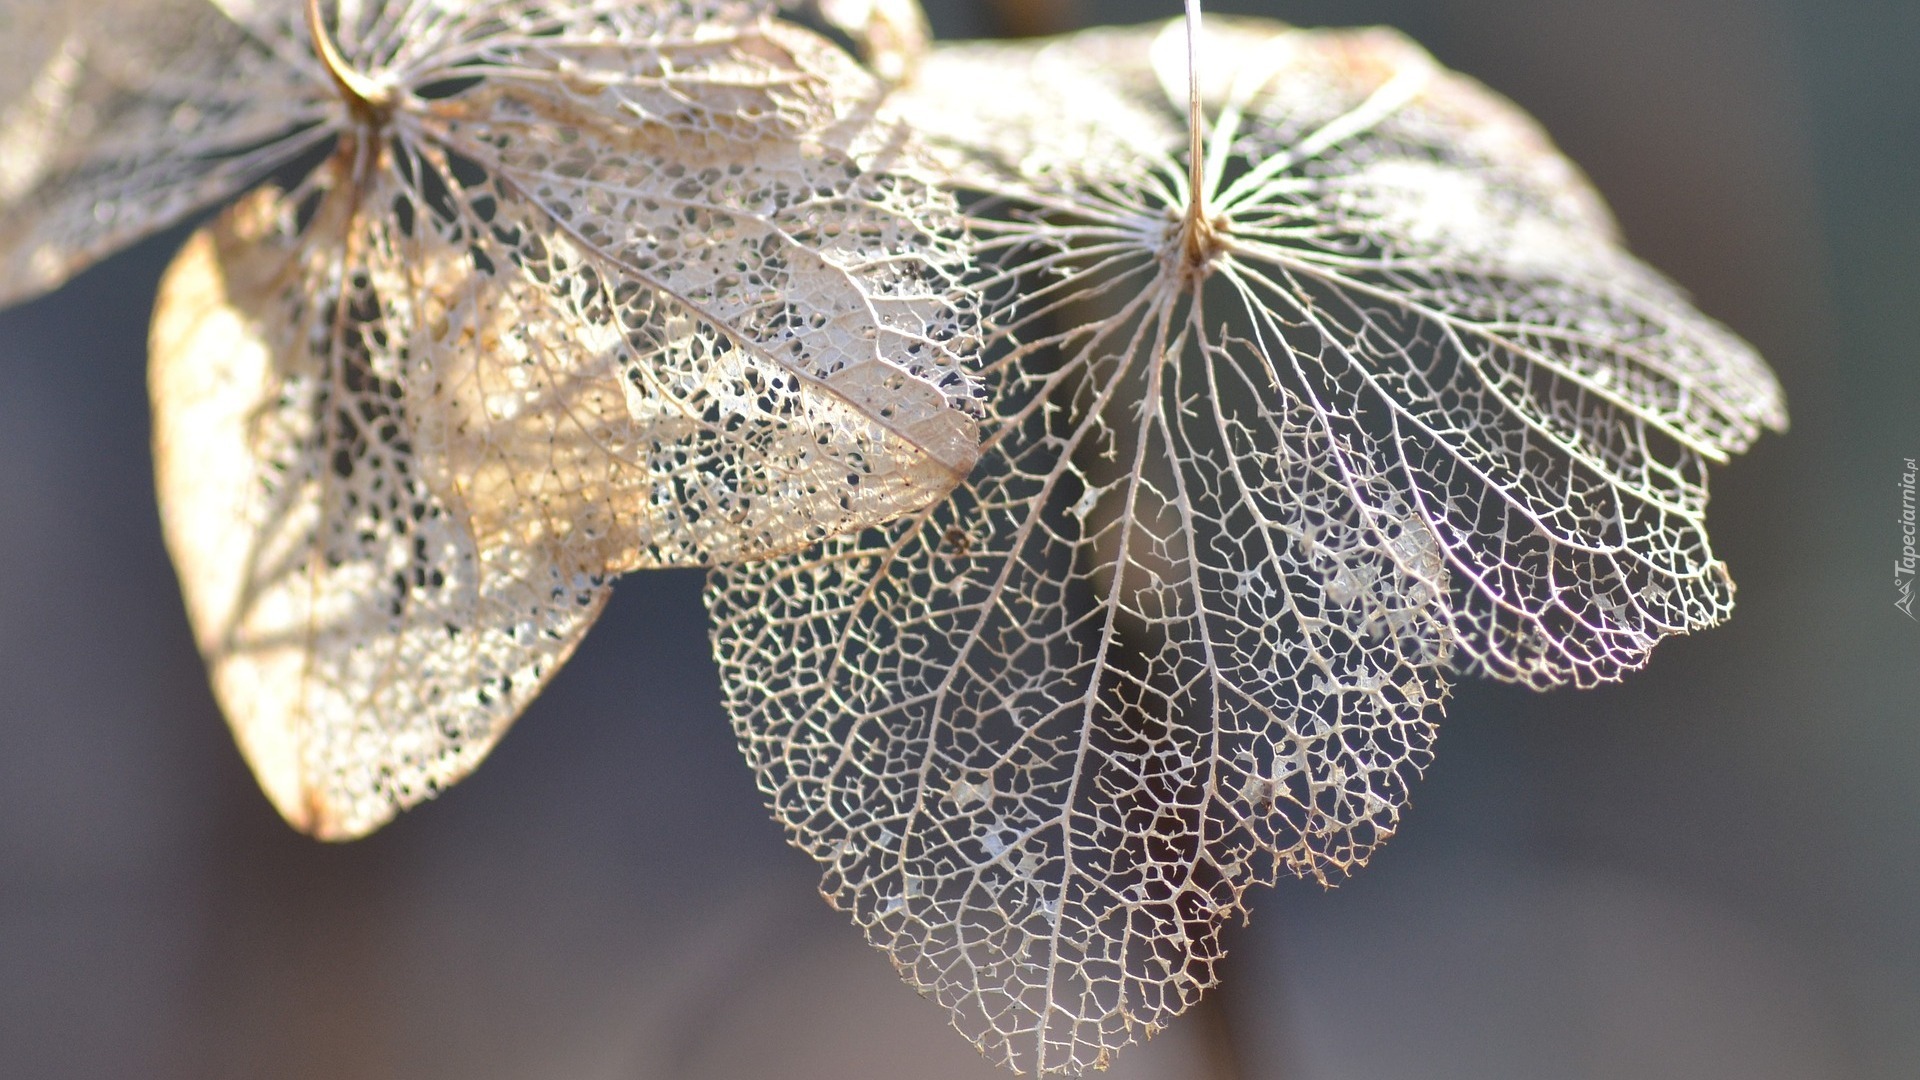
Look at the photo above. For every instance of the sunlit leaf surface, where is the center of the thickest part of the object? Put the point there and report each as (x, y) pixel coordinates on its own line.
(577, 287)
(1379, 395)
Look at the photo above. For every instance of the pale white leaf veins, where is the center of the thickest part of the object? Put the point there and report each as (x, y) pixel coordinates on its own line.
(1291, 412)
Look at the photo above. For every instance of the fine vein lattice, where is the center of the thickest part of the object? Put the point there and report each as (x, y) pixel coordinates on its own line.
(578, 287)
(1317, 372)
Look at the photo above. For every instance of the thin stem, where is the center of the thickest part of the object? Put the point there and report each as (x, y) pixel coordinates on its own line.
(1198, 230)
(1197, 199)
(368, 99)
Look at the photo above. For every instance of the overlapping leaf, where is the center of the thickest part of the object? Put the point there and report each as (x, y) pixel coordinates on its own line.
(366, 642)
(1276, 436)
(119, 116)
(583, 286)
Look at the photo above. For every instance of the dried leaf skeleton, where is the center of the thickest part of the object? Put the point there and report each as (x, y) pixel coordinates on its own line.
(1316, 374)
(1312, 372)
(578, 288)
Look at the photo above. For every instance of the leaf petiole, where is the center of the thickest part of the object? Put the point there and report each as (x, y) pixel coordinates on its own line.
(369, 101)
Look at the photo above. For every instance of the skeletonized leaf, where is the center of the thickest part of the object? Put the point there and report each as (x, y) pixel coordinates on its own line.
(118, 117)
(1277, 435)
(584, 286)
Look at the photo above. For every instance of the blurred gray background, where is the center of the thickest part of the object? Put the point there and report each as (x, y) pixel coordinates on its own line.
(1711, 870)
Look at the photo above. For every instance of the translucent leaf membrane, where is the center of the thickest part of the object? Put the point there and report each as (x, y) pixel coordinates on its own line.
(366, 645)
(794, 372)
(583, 286)
(1261, 463)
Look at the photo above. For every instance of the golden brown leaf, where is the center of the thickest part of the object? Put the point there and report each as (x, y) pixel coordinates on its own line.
(581, 287)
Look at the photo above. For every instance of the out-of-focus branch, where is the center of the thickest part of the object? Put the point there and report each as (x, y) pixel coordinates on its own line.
(1220, 1043)
(891, 35)
(1032, 18)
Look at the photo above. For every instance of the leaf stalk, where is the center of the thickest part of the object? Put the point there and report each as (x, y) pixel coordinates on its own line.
(369, 101)
(1197, 230)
